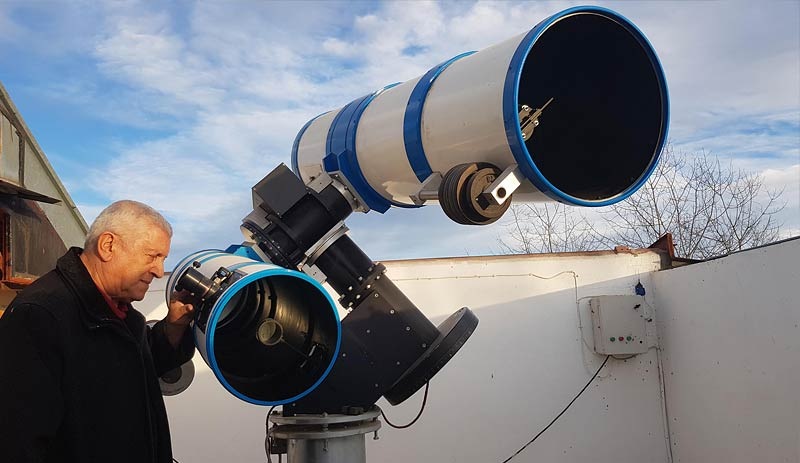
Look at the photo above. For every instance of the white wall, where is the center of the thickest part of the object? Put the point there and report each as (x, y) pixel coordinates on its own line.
(523, 364)
(730, 334)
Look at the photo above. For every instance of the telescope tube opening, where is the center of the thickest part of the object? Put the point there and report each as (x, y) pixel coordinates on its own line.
(269, 334)
(600, 137)
(275, 368)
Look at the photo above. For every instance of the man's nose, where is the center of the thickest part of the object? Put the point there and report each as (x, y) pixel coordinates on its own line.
(158, 268)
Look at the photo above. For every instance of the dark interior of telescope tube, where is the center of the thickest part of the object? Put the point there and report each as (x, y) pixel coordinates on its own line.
(601, 132)
(294, 352)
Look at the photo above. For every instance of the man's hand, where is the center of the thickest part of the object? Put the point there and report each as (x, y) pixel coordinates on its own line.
(179, 316)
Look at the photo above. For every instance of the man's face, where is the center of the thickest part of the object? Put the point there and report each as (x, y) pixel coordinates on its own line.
(137, 262)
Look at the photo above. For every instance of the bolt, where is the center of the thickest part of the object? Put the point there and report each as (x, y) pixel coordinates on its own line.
(391, 311)
(376, 295)
(408, 328)
(424, 345)
(375, 437)
(368, 331)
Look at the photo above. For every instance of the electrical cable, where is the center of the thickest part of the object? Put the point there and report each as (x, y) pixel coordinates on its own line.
(422, 408)
(269, 439)
(562, 412)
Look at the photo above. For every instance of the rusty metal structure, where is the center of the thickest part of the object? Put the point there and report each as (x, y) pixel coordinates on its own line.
(38, 219)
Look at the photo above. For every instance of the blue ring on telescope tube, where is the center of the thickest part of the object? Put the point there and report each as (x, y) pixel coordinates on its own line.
(296, 144)
(340, 157)
(394, 203)
(223, 301)
(511, 113)
(412, 120)
(341, 152)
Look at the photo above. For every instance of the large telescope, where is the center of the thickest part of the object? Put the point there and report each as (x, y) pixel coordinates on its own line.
(575, 110)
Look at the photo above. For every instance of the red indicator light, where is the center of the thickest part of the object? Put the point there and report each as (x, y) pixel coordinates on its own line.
(621, 338)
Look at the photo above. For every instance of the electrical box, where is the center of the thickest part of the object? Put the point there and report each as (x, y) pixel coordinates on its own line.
(619, 324)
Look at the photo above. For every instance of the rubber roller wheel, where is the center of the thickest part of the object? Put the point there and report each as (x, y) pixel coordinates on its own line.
(452, 183)
(461, 194)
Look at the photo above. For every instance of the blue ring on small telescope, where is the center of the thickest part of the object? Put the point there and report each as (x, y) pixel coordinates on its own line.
(228, 294)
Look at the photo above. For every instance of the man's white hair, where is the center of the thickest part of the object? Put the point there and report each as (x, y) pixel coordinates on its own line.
(126, 218)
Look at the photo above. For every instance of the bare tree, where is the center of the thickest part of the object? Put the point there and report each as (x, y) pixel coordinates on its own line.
(711, 209)
(548, 227)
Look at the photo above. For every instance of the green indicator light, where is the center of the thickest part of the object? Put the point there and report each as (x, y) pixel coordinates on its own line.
(629, 338)
(613, 339)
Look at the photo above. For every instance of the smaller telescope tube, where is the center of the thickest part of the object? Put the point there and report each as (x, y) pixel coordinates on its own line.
(269, 334)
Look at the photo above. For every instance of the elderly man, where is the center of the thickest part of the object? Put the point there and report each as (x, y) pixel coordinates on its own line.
(78, 365)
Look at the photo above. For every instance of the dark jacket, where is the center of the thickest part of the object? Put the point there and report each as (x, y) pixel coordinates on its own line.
(78, 384)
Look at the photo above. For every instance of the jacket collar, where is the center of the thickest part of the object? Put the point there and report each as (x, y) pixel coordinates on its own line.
(93, 305)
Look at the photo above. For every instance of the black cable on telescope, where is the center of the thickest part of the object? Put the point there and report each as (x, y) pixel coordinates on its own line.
(422, 408)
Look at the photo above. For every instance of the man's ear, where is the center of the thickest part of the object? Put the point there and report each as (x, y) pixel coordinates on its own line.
(107, 243)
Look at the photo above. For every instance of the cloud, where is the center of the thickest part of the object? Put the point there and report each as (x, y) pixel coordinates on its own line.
(753, 141)
(11, 30)
(144, 52)
(724, 64)
(220, 89)
(786, 180)
(55, 31)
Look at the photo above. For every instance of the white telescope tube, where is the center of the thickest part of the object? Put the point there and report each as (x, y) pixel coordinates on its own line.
(595, 143)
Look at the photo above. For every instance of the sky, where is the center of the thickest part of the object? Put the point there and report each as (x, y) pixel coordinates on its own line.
(186, 105)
